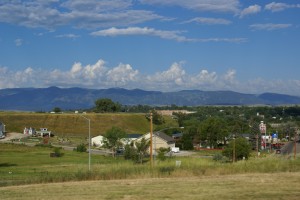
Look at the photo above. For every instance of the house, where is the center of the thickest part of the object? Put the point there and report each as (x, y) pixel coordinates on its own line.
(29, 131)
(130, 138)
(2, 130)
(44, 132)
(98, 141)
(177, 136)
(159, 139)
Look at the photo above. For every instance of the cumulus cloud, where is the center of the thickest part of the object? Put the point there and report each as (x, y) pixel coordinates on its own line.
(174, 78)
(269, 26)
(253, 9)
(122, 74)
(276, 7)
(209, 21)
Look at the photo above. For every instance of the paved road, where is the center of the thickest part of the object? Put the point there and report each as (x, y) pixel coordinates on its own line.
(289, 148)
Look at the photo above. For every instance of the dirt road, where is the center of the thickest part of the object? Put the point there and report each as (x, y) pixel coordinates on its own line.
(13, 135)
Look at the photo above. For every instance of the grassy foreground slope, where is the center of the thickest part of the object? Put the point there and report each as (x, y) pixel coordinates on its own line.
(73, 124)
(239, 186)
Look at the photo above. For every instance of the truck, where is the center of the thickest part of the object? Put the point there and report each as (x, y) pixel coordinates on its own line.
(175, 149)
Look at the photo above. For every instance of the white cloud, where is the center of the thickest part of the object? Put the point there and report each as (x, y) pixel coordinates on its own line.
(199, 5)
(209, 21)
(230, 76)
(174, 77)
(96, 5)
(83, 14)
(253, 9)
(171, 35)
(276, 7)
(18, 42)
(71, 36)
(269, 26)
(122, 74)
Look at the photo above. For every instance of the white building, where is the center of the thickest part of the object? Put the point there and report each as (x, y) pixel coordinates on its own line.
(2, 130)
(159, 139)
(29, 131)
(98, 141)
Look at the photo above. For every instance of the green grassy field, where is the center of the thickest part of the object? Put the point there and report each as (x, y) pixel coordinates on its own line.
(73, 125)
(20, 164)
(30, 173)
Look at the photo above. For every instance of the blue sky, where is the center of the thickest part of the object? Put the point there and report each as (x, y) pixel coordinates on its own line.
(166, 45)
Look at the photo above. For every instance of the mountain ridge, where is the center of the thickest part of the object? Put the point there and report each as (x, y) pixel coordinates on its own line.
(45, 99)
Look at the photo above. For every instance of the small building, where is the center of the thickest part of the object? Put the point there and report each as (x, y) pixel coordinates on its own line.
(130, 138)
(159, 139)
(29, 131)
(98, 141)
(43, 132)
(2, 130)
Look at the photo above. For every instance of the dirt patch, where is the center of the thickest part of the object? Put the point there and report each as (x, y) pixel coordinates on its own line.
(13, 136)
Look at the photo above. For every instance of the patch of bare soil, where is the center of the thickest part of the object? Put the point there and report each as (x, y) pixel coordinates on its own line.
(13, 136)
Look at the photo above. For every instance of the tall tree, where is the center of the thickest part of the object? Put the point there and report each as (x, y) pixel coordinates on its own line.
(113, 138)
(106, 105)
(213, 130)
(142, 148)
(157, 118)
(240, 146)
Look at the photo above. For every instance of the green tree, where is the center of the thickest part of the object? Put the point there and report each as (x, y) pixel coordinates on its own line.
(56, 110)
(142, 147)
(157, 118)
(113, 138)
(106, 105)
(130, 152)
(213, 130)
(240, 146)
(161, 153)
(81, 148)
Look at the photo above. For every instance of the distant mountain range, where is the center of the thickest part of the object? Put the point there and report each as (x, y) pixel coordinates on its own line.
(45, 99)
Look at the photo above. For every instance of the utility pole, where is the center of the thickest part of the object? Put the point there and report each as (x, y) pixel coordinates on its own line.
(295, 143)
(256, 144)
(233, 154)
(151, 135)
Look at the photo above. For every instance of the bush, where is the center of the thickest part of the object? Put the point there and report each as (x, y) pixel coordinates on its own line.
(57, 152)
(130, 153)
(161, 153)
(242, 149)
(218, 157)
(81, 148)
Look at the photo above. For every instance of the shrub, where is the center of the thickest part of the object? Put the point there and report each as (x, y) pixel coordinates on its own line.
(161, 153)
(57, 152)
(242, 149)
(217, 157)
(81, 148)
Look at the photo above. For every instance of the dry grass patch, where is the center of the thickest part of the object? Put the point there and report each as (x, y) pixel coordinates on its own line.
(245, 186)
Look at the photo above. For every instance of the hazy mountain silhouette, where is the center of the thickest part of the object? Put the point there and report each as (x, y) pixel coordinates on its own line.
(45, 99)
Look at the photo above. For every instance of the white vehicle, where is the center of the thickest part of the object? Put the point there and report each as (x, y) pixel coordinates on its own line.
(175, 149)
